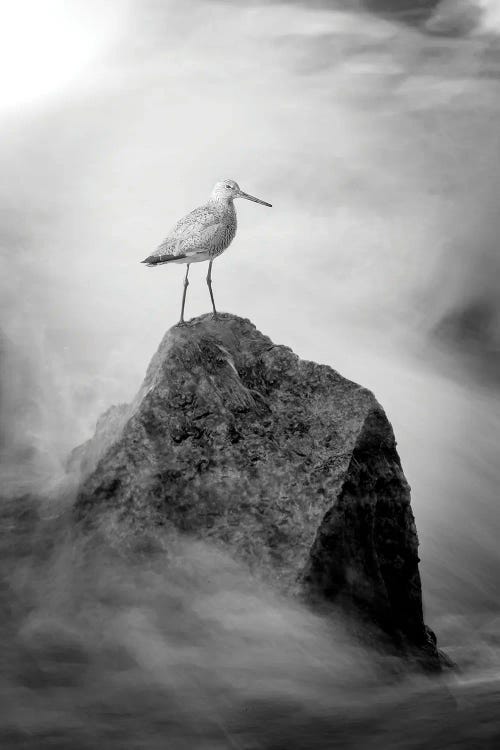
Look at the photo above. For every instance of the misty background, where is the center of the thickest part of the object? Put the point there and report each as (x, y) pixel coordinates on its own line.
(372, 128)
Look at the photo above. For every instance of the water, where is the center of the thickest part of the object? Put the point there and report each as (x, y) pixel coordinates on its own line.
(375, 143)
(182, 648)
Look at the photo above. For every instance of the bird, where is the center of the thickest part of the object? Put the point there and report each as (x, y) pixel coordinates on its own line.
(203, 234)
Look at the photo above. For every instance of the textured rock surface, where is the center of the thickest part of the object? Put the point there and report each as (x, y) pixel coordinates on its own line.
(285, 463)
(84, 459)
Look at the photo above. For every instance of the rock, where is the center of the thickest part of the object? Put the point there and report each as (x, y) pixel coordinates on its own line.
(283, 462)
(84, 458)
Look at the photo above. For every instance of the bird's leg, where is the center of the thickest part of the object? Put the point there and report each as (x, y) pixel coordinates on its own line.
(186, 284)
(209, 282)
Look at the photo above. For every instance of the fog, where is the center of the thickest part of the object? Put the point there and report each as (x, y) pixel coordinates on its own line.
(374, 134)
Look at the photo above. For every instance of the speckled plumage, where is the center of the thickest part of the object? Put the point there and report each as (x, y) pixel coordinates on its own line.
(203, 234)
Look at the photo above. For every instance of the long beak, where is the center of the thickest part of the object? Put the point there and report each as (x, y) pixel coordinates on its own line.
(241, 194)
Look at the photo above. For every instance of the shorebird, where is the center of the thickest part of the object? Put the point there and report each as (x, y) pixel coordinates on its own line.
(203, 234)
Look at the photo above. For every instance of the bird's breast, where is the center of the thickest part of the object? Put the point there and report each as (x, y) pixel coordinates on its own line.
(225, 236)
(230, 231)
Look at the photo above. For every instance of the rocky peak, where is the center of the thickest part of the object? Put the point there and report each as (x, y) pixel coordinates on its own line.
(282, 462)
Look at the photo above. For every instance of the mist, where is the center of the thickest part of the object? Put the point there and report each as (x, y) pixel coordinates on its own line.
(171, 640)
(374, 134)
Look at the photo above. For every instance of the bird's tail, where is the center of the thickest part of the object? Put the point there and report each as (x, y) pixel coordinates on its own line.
(158, 260)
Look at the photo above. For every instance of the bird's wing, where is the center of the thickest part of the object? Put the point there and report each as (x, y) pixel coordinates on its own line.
(193, 233)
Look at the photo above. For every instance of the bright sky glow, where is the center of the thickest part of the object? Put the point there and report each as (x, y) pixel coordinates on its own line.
(45, 45)
(491, 18)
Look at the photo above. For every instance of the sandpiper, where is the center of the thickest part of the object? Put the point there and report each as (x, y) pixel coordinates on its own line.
(203, 234)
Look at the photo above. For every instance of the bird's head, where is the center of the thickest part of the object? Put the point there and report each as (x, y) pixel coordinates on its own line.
(227, 190)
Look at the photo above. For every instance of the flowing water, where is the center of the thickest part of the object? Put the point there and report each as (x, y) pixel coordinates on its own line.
(374, 134)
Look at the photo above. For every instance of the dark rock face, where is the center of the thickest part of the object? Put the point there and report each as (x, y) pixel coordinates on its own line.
(283, 462)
